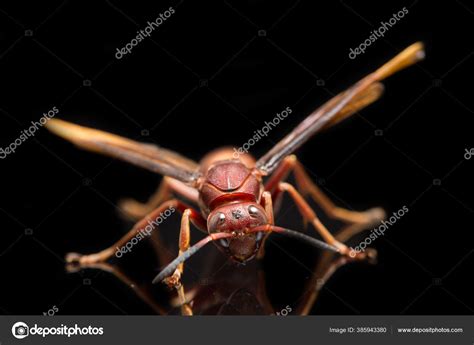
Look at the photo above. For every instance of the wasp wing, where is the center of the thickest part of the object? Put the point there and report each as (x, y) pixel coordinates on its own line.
(365, 98)
(148, 156)
(364, 92)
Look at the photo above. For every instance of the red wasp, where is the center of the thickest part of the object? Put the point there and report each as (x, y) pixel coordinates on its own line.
(235, 203)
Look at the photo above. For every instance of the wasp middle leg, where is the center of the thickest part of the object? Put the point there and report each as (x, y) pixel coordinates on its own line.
(307, 187)
(140, 226)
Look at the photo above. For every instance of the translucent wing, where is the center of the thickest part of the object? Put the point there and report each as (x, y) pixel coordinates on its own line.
(364, 92)
(147, 156)
(362, 100)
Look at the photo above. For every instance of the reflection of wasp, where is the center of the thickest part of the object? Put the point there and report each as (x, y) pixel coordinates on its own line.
(469, 153)
(224, 290)
(235, 204)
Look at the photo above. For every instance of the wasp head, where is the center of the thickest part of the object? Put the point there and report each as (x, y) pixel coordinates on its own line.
(238, 218)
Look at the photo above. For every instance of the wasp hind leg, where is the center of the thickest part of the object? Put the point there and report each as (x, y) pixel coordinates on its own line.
(135, 210)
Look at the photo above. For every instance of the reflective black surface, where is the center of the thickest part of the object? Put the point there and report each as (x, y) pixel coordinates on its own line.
(207, 78)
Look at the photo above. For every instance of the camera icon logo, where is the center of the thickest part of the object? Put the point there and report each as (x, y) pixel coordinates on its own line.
(20, 330)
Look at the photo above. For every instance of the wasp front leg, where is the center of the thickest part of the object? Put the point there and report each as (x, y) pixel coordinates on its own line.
(267, 204)
(174, 281)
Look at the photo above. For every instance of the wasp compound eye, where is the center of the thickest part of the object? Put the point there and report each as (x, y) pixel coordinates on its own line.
(221, 218)
(253, 211)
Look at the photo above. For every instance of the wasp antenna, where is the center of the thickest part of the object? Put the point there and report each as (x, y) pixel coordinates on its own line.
(173, 265)
(295, 234)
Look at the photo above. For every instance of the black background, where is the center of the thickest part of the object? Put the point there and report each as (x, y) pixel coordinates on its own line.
(206, 79)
